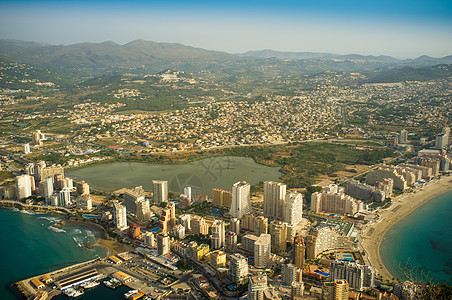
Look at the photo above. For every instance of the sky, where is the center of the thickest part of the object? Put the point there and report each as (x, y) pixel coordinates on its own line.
(399, 28)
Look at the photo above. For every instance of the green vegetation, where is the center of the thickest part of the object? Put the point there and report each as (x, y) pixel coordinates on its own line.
(184, 265)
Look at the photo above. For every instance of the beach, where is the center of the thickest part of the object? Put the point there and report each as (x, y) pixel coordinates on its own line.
(373, 233)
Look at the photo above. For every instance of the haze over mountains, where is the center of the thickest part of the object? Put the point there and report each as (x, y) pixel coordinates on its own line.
(139, 56)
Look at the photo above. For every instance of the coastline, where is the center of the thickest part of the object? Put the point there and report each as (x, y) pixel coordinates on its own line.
(373, 233)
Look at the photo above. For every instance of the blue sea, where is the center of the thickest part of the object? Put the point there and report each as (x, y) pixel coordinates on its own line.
(30, 245)
(422, 242)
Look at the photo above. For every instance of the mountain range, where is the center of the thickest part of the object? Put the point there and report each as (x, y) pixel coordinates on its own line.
(140, 56)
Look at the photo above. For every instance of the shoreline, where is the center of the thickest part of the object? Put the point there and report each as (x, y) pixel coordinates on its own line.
(374, 233)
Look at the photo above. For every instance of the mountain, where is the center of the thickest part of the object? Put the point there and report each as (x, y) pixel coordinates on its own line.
(100, 58)
(268, 53)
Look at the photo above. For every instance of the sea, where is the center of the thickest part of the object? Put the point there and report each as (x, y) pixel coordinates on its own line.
(420, 245)
(31, 244)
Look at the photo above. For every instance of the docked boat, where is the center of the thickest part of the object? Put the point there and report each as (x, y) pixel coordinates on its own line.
(73, 293)
(90, 284)
(134, 294)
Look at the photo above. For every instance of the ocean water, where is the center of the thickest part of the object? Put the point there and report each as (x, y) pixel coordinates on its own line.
(422, 243)
(30, 245)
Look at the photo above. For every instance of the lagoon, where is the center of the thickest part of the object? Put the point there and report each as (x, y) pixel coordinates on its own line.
(202, 175)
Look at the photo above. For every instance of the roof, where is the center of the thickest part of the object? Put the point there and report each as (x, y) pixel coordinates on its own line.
(122, 275)
(37, 283)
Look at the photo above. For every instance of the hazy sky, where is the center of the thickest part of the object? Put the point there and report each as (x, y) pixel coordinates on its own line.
(403, 29)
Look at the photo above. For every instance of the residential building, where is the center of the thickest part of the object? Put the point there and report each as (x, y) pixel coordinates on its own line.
(289, 273)
(403, 137)
(441, 141)
(184, 201)
(187, 192)
(358, 276)
(23, 186)
(221, 198)
(184, 220)
(64, 197)
(199, 251)
(218, 259)
(293, 209)
(163, 244)
(274, 199)
(333, 201)
(84, 202)
(149, 239)
(27, 149)
(278, 232)
(120, 216)
(218, 234)
(160, 191)
(262, 251)
(132, 197)
(231, 242)
(248, 242)
(256, 286)
(179, 231)
(143, 211)
(82, 188)
(299, 252)
(234, 225)
(241, 204)
(238, 268)
(134, 231)
(260, 225)
(199, 225)
(47, 189)
(324, 238)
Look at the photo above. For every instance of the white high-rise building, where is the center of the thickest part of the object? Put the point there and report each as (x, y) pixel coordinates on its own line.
(238, 268)
(441, 141)
(274, 199)
(149, 239)
(256, 286)
(293, 210)
(241, 204)
(23, 186)
(64, 197)
(163, 244)
(48, 189)
(187, 192)
(27, 149)
(120, 216)
(262, 251)
(184, 220)
(160, 191)
(358, 276)
(218, 234)
(234, 225)
(84, 202)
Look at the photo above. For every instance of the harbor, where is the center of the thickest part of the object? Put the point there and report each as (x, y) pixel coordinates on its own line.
(74, 280)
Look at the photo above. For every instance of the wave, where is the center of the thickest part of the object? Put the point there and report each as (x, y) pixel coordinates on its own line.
(77, 242)
(27, 212)
(76, 231)
(50, 219)
(55, 229)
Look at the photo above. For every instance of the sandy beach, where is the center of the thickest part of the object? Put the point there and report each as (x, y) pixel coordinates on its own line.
(373, 233)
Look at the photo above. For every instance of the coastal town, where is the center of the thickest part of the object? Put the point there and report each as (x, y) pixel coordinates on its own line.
(273, 242)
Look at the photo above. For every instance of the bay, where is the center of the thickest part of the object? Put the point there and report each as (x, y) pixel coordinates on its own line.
(422, 243)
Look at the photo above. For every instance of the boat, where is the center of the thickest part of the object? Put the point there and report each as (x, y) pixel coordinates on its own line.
(134, 294)
(130, 293)
(112, 283)
(89, 284)
(73, 293)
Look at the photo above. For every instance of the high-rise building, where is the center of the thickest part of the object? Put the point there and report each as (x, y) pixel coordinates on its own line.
(231, 242)
(441, 141)
(23, 186)
(64, 197)
(168, 218)
(241, 204)
(84, 202)
(199, 225)
(132, 197)
(358, 276)
(289, 273)
(238, 268)
(187, 192)
(297, 289)
(337, 290)
(262, 251)
(446, 131)
(260, 225)
(37, 138)
(274, 199)
(234, 225)
(278, 232)
(218, 234)
(163, 244)
(184, 201)
(120, 216)
(221, 198)
(299, 252)
(27, 149)
(134, 231)
(149, 239)
(143, 211)
(403, 137)
(160, 191)
(257, 286)
(82, 188)
(184, 220)
(293, 209)
(47, 186)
